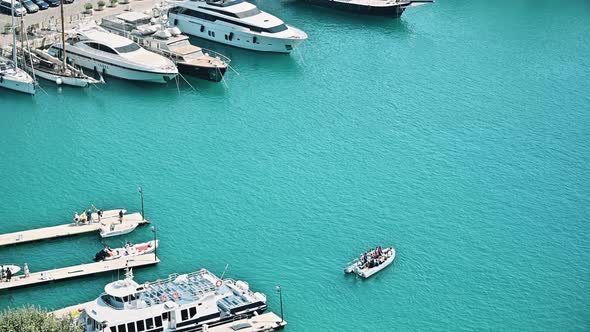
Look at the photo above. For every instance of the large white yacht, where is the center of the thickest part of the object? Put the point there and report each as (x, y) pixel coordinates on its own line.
(95, 48)
(390, 8)
(235, 22)
(178, 303)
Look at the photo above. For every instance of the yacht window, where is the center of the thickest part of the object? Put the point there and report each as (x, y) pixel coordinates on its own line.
(113, 329)
(149, 323)
(158, 320)
(276, 29)
(184, 314)
(121, 328)
(131, 327)
(192, 312)
(165, 315)
(128, 48)
(140, 326)
(103, 48)
(125, 298)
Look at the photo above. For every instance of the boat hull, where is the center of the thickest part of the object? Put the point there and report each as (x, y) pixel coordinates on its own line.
(8, 82)
(105, 232)
(213, 74)
(367, 273)
(394, 10)
(65, 80)
(14, 269)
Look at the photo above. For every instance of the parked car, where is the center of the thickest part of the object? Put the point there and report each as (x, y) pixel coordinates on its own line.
(52, 3)
(67, 2)
(29, 6)
(6, 8)
(42, 4)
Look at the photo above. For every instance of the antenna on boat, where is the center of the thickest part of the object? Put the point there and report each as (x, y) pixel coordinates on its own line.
(224, 270)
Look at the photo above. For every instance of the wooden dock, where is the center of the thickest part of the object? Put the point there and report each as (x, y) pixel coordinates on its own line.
(42, 277)
(109, 217)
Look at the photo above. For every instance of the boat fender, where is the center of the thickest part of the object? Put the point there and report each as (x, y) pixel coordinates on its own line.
(146, 285)
(218, 283)
(58, 81)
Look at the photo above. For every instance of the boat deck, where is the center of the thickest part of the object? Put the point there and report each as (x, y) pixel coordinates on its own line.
(79, 271)
(265, 322)
(109, 217)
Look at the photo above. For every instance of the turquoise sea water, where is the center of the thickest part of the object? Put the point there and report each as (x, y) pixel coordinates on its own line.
(459, 134)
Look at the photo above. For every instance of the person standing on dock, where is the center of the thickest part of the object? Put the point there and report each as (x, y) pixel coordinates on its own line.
(89, 216)
(1, 273)
(8, 274)
(26, 268)
(121, 216)
(76, 218)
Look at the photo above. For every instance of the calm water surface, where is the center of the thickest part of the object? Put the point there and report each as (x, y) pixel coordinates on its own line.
(459, 134)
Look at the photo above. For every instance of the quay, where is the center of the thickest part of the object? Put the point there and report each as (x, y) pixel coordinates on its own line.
(109, 217)
(42, 277)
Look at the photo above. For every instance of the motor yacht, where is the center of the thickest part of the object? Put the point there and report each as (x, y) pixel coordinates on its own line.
(94, 48)
(371, 262)
(154, 34)
(185, 302)
(389, 8)
(236, 23)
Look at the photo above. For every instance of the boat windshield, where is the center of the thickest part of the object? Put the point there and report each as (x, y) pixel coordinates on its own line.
(128, 48)
(248, 13)
(278, 28)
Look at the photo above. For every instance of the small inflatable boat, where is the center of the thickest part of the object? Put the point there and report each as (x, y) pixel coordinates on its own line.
(371, 262)
(128, 250)
(116, 229)
(14, 269)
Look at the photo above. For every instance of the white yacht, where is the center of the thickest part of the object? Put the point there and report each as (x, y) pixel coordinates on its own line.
(235, 22)
(178, 303)
(371, 262)
(14, 78)
(106, 53)
(389, 8)
(154, 34)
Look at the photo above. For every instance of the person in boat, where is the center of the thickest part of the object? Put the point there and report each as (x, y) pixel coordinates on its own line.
(76, 218)
(83, 217)
(27, 272)
(89, 216)
(121, 216)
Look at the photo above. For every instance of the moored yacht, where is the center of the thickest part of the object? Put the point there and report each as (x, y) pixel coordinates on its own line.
(103, 52)
(237, 23)
(154, 34)
(390, 8)
(178, 303)
(14, 78)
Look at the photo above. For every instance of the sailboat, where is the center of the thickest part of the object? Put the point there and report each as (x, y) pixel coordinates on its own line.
(59, 71)
(11, 76)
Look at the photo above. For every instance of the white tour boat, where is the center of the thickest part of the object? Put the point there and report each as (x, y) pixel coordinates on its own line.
(128, 250)
(176, 304)
(116, 229)
(103, 52)
(236, 23)
(154, 34)
(371, 262)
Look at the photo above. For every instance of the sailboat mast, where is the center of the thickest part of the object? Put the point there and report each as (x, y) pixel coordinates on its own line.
(63, 35)
(13, 36)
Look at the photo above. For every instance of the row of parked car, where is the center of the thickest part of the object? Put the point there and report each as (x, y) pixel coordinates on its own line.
(22, 7)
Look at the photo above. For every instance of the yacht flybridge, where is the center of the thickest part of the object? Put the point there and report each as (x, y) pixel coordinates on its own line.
(390, 8)
(178, 303)
(235, 22)
(95, 48)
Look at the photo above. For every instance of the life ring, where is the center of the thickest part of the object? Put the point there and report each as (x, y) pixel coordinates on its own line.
(218, 283)
(202, 272)
(163, 298)
(146, 285)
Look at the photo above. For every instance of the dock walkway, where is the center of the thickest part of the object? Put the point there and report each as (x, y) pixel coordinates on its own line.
(109, 217)
(78, 271)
